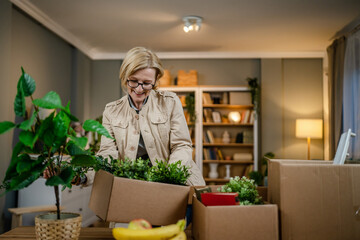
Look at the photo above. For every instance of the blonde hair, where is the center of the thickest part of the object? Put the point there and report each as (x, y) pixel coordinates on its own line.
(136, 59)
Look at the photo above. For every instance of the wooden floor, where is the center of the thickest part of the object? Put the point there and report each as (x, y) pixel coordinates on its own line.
(90, 233)
(26, 233)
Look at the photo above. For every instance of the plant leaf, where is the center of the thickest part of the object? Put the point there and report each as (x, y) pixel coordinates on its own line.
(19, 103)
(24, 165)
(11, 171)
(83, 161)
(79, 141)
(26, 125)
(67, 112)
(28, 84)
(61, 124)
(67, 175)
(6, 126)
(23, 180)
(54, 181)
(74, 149)
(94, 126)
(27, 138)
(50, 101)
(65, 178)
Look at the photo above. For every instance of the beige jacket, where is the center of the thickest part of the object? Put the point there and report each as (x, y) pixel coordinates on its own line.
(162, 125)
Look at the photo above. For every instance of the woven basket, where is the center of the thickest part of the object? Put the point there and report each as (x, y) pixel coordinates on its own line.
(48, 227)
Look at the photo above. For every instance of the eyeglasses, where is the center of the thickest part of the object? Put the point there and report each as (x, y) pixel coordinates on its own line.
(135, 84)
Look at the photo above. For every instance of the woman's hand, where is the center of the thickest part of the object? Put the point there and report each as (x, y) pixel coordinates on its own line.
(46, 173)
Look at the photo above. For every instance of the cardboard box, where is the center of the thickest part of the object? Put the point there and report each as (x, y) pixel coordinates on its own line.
(116, 199)
(316, 200)
(234, 222)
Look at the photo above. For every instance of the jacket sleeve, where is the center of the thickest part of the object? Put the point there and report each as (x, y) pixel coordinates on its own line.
(180, 144)
(107, 146)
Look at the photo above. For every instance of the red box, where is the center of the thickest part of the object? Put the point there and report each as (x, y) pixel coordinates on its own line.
(219, 199)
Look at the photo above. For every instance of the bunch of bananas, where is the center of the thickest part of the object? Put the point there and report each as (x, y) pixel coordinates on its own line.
(169, 232)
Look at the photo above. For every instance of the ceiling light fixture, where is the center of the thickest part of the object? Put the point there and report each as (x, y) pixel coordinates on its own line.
(192, 23)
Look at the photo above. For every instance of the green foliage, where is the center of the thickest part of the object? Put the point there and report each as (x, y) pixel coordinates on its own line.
(95, 126)
(48, 140)
(266, 157)
(257, 177)
(255, 92)
(137, 169)
(165, 172)
(248, 195)
(190, 106)
(6, 126)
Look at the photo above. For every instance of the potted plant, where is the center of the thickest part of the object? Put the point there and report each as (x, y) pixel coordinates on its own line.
(255, 92)
(49, 140)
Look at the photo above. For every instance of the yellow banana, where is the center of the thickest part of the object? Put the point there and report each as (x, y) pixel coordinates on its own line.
(159, 233)
(180, 236)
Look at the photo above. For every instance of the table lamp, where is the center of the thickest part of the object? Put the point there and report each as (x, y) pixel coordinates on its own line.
(309, 128)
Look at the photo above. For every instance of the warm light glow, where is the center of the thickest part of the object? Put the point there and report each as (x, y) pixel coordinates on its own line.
(309, 128)
(192, 23)
(234, 117)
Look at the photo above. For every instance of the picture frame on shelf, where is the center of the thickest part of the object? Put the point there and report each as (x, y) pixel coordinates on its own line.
(216, 117)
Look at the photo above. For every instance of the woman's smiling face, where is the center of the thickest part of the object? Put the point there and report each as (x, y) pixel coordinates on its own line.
(138, 94)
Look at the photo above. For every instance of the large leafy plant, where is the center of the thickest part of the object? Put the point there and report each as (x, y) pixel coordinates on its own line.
(49, 144)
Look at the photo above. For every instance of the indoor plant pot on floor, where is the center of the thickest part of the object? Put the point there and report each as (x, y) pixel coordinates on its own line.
(50, 139)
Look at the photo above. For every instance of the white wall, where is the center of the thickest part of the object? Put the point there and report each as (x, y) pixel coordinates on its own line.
(46, 57)
(5, 93)
(291, 89)
(217, 71)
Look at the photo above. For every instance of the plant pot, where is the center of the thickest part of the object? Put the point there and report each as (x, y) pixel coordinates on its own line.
(47, 226)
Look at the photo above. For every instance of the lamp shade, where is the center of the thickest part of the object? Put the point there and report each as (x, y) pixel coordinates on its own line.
(309, 128)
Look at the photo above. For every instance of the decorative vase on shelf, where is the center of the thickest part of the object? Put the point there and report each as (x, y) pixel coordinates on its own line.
(213, 170)
(226, 137)
(227, 166)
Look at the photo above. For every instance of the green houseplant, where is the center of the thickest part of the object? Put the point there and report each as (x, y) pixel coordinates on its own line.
(49, 140)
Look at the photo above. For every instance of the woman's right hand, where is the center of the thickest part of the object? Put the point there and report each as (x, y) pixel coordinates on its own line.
(46, 173)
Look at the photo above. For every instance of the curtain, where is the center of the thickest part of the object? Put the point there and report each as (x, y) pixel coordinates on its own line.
(336, 55)
(351, 93)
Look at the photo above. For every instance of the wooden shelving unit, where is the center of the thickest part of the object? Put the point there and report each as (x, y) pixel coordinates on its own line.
(200, 126)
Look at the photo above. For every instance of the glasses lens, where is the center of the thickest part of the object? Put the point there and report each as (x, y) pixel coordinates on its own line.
(132, 83)
(147, 86)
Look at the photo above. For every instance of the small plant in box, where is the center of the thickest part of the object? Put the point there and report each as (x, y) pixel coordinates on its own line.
(248, 195)
(51, 140)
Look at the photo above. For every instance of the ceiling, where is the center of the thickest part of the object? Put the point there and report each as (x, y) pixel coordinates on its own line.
(107, 29)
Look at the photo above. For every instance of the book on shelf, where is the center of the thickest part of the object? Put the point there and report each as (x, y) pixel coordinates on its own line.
(219, 154)
(245, 116)
(210, 136)
(248, 137)
(206, 154)
(212, 153)
(207, 98)
(247, 170)
(208, 115)
(252, 117)
(206, 138)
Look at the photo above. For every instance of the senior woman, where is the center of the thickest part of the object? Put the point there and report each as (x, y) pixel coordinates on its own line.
(147, 123)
